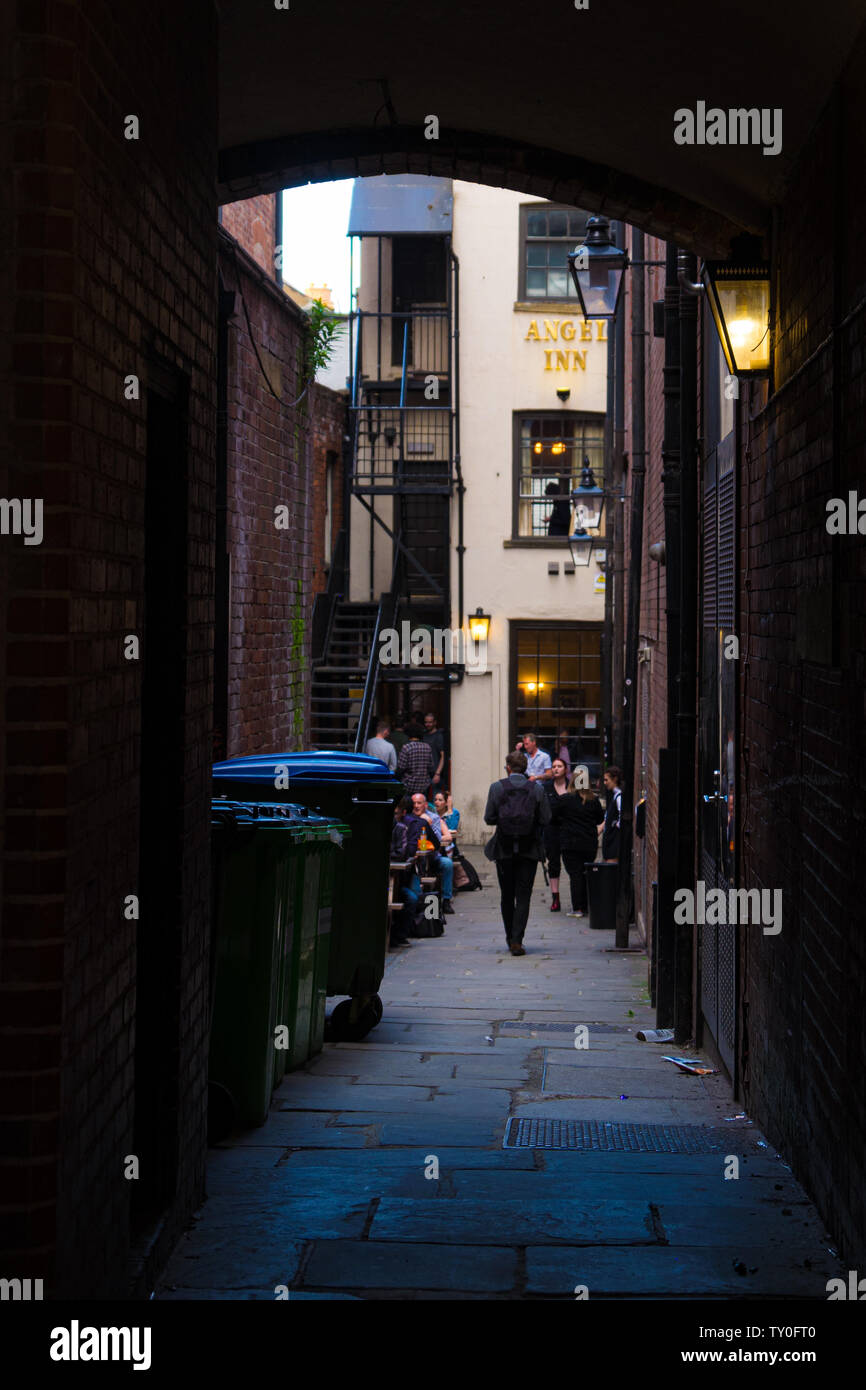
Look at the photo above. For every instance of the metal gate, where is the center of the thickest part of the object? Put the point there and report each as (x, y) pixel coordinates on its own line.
(718, 744)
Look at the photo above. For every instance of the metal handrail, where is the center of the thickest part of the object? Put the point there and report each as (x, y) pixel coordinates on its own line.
(405, 358)
(386, 616)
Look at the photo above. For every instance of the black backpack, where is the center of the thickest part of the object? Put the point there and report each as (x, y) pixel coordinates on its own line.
(516, 819)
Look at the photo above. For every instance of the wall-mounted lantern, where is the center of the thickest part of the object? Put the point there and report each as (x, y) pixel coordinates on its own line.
(738, 293)
(588, 503)
(479, 625)
(597, 268)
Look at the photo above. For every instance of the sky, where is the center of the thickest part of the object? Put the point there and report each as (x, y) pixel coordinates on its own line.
(315, 245)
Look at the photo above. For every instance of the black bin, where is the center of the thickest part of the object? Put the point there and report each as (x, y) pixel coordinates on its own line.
(601, 884)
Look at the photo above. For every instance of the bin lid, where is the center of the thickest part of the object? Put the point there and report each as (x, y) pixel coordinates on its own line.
(300, 819)
(305, 767)
(316, 823)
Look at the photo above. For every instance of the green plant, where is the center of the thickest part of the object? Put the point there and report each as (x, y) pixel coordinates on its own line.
(323, 329)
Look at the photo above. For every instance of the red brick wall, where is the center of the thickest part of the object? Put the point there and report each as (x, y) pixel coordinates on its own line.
(329, 425)
(269, 466)
(110, 261)
(803, 707)
(253, 224)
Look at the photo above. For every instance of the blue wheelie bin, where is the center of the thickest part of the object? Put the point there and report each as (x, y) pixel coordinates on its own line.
(360, 792)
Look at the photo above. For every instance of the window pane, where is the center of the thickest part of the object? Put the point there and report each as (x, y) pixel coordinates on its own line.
(557, 223)
(557, 284)
(536, 283)
(536, 254)
(577, 224)
(547, 700)
(536, 224)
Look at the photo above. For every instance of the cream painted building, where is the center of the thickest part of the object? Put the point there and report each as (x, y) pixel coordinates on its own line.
(480, 394)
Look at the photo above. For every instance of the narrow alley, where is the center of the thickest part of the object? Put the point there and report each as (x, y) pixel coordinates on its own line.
(335, 1196)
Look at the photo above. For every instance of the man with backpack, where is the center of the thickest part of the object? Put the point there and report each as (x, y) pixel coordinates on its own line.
(519, 809)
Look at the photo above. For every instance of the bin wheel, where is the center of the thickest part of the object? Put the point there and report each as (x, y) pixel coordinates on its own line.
(343, 1028)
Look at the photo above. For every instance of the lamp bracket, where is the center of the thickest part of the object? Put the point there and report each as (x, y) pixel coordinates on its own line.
(690, 286)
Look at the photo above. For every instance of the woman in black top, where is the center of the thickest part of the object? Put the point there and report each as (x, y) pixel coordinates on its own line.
(556, 787)
(577, 815)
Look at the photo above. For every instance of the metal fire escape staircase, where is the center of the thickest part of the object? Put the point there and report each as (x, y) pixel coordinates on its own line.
(401, 449)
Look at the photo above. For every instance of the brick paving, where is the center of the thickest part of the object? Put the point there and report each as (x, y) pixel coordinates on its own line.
(331, 1196)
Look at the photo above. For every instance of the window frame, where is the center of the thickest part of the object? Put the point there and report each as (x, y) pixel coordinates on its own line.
(515, 627)
(525, 209)
(585, 416)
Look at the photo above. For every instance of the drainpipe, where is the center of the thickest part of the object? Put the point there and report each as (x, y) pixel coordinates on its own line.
(629, 687)
(278, 237)
(222, 570)
(686, 679)
(667, 842)
(454, 385)
(612, 675)
(617, 503)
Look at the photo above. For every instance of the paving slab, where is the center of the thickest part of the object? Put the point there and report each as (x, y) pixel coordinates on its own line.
(766, 1224)
(289, 1129)
(370, 1264)
(608, 1053)
(739, 1197)
(444, 1130)
(662, 1272)
(634, 1109)
(332, 1161)
(609, 1082)
(233, 1256)
(311, 1094)
(570, 1164)
(507, 1222)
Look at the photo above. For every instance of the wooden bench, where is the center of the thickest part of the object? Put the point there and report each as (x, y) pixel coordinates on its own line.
(395, 904)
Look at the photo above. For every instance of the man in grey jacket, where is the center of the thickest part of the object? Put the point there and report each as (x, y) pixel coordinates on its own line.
(519, 809)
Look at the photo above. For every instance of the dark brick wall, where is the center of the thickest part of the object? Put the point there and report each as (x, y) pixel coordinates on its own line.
(651, 713)
(802, 687)
(110, 266)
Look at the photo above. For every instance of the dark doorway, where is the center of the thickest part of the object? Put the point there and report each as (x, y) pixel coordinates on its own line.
(419, 276)
(164, 680)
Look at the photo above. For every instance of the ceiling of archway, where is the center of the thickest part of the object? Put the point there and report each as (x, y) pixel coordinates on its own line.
(577, 105)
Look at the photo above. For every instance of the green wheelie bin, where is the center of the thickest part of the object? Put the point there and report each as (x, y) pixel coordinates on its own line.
(303, 965)
(360, 792)
(261, 860)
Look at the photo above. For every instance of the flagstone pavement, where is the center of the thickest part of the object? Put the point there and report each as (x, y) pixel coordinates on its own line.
(381, 1171)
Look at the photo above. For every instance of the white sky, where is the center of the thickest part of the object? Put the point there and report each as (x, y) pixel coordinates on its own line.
(315, 245)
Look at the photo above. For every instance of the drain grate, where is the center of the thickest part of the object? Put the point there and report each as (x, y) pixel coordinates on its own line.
(609, 1136)
(527, 1026)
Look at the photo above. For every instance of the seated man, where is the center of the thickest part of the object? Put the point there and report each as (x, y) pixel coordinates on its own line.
(439, 834)
(404, 844)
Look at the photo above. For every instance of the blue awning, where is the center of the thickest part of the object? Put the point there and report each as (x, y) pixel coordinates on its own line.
(401, 205)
